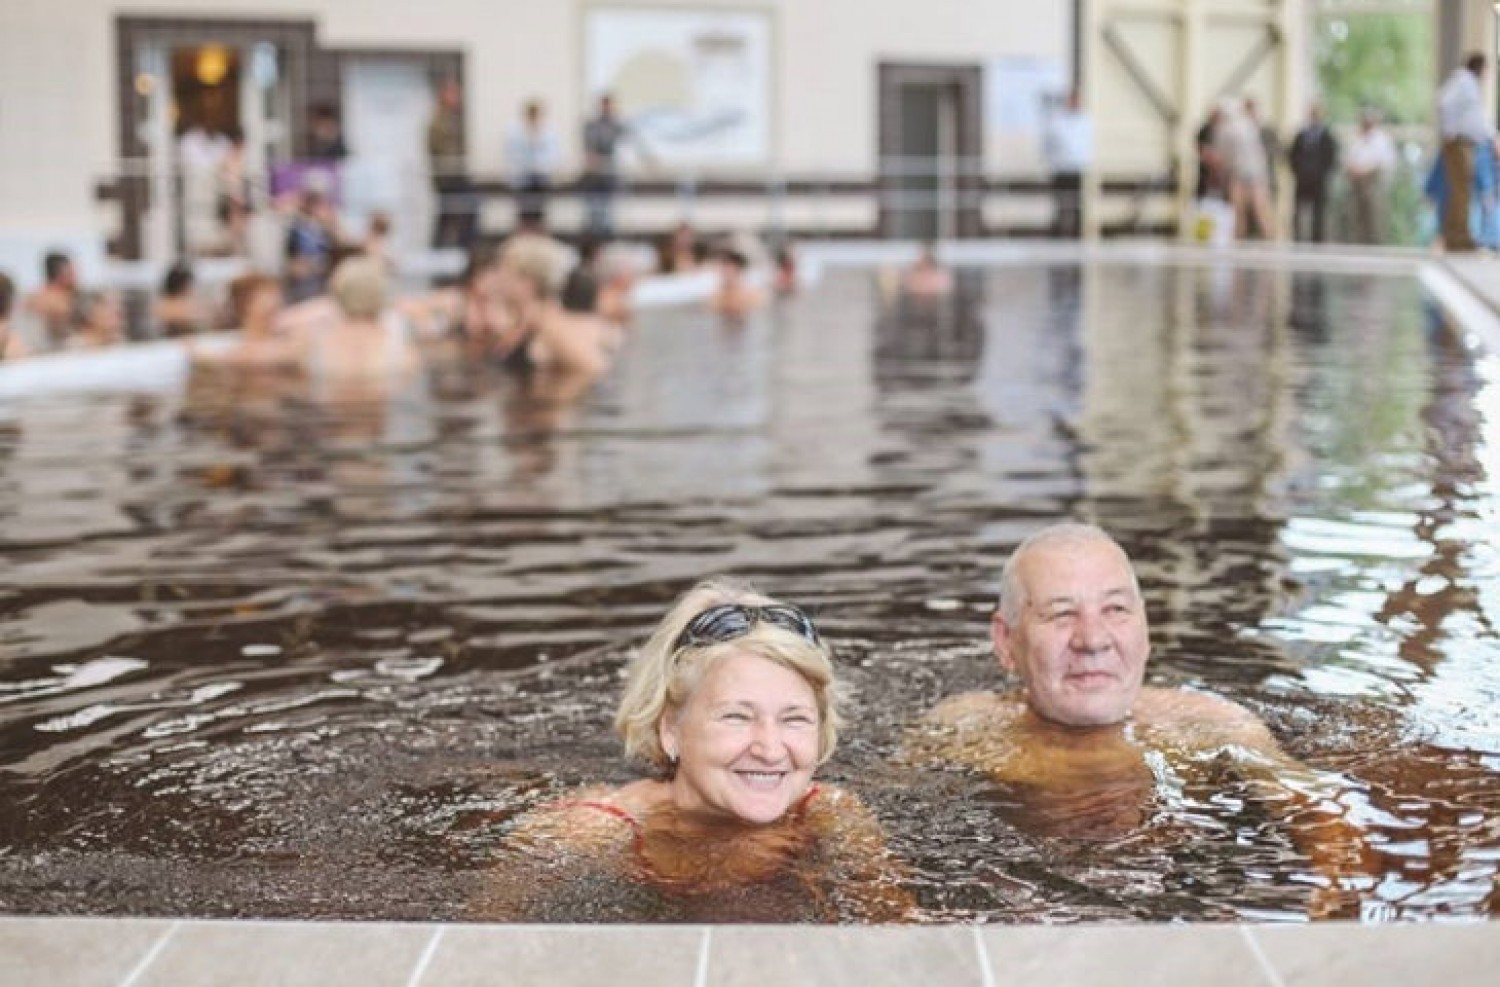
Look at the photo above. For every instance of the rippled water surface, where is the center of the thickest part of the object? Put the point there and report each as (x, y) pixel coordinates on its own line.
(265, 654)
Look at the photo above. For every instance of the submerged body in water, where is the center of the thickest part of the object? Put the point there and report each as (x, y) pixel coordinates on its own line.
(1084, 749)
(635, 856)
(732, 700)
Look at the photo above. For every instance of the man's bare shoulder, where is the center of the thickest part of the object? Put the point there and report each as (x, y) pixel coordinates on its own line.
(972, 709)
(1201, 720)
(972, 729)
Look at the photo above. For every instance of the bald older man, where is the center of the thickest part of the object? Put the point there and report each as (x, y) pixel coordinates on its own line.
(1071, 626)
(1083, 743)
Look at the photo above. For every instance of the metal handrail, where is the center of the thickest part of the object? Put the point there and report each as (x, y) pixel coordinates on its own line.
(901, 185)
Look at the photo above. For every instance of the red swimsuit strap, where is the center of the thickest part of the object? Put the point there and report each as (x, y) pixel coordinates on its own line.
(800, 809)
(621, 813)
(610, 809)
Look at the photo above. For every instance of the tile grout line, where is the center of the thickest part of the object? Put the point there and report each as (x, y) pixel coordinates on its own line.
(425, 960)
(1261, 959)
(150, 957)
(986, 973)
(700, 979)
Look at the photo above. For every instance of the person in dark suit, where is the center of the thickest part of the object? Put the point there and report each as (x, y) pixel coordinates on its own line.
(1312, 156)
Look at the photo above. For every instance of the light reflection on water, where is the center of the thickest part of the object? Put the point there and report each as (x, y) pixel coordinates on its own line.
(268, 657)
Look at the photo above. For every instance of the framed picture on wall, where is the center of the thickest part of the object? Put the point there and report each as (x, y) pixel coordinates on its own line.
(695, 84)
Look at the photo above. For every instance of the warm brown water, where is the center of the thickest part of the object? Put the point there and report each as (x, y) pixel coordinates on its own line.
(269, 659)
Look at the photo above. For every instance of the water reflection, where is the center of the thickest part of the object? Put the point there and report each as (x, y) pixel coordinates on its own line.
(271, 653)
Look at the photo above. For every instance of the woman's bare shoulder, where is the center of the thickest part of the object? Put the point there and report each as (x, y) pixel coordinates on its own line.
(587, 819)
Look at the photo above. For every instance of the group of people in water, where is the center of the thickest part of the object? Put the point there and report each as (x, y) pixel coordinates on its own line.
(733, 704)
(529, 302)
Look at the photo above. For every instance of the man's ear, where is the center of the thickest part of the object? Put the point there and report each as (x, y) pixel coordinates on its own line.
(1002, 636)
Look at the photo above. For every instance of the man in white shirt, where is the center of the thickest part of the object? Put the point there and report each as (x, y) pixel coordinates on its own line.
(531, 152)
(1368, 164)
(1462, 125)
(1069, 146)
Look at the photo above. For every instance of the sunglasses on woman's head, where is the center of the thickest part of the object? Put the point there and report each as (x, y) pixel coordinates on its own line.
(728, 621)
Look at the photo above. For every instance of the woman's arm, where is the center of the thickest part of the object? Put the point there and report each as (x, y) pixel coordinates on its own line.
(548, 848)
(867, 882)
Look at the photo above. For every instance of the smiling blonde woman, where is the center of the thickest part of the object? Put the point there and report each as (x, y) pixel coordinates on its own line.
(732, 704)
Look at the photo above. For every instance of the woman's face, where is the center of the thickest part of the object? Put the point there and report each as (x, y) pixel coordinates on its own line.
(746, 740)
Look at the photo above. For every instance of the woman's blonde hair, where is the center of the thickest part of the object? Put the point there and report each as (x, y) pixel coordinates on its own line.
(662, 679)
(537, 259)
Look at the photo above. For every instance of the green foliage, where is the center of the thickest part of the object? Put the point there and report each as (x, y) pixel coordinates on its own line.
(1407, 222)
(1383, 60)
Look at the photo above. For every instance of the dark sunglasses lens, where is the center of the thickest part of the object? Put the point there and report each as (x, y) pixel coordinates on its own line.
(792, 619)
(731, 620)
(717, 624)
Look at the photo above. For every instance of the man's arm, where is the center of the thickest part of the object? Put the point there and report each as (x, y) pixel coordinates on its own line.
(1321, 810)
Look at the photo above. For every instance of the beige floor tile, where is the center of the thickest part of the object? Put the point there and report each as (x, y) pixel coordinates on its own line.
(288, 954)
(564, 956)
(1371, 955)
(756, 956)
(73, 952)
(1127, 955)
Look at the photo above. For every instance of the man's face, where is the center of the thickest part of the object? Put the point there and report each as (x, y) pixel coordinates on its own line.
(1081, 641)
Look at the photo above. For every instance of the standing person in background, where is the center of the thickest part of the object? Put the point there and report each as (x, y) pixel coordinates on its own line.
(531, 153)
(1211, 183)
(1270, 143)
(1238, 141)
(602, 136)
(1462, 126)
(234, 193)
(450, 179)
(325, 137)
(1369, 164)
(1313, 155)
(1069, 146)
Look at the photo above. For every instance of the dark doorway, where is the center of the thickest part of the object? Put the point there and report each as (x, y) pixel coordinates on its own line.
(931, 151)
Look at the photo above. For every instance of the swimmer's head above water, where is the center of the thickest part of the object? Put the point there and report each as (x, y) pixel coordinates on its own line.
(732, 699)
(1071, 625)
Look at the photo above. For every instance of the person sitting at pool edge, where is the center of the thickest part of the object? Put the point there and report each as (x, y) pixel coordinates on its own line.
(1084, 730)
(731, 702)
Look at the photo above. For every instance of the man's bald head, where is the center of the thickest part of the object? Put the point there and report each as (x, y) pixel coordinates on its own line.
(1013, 588)
(1072, 627)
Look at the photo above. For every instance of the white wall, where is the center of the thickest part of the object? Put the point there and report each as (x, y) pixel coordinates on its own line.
(57, 74)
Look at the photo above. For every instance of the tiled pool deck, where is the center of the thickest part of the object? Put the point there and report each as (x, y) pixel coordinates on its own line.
(97, 952)
(150, 952)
